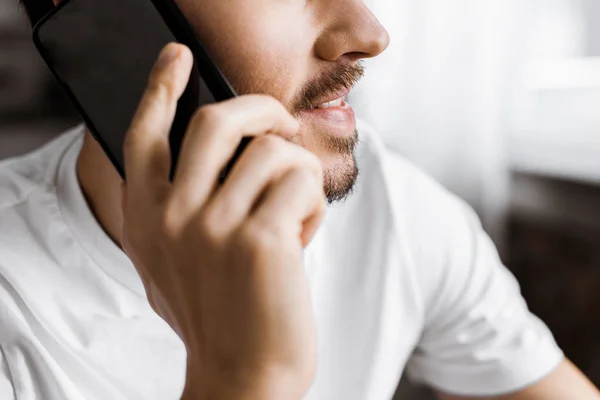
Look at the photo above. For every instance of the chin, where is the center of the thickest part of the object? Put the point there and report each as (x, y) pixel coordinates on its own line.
(340, 173)
(336, 152)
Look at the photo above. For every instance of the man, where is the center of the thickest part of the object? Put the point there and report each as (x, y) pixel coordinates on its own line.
(397, 277)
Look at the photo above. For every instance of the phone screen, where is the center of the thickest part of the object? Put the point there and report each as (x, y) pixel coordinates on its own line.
(102, 53)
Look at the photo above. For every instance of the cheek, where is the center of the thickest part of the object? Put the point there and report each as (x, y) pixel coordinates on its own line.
(261, 48)
(265, 67)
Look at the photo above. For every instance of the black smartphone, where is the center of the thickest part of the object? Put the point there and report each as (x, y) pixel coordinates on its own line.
(102, 53)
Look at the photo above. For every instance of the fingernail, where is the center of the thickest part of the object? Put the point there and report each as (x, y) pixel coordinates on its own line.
(167, 55)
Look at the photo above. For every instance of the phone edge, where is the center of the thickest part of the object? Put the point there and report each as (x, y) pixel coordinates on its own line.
(67, 89)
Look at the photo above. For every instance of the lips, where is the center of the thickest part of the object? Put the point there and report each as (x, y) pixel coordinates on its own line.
(336, 117)
(333, 100)
(333, 103)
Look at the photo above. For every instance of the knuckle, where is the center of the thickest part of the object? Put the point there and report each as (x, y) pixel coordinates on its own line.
(314, 164)
(129, 143)
(209, 226)
(177, 224)
(159, 91)
(169, 223)
(304, 159)
(260, 237)
(319, 196)
(226, 206)
(307, 180)
(267, 144)
(303, 174)
(271, 103)
(133, 138)
(210, 114)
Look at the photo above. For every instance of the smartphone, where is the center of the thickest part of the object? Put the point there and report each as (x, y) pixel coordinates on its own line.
(102, 53)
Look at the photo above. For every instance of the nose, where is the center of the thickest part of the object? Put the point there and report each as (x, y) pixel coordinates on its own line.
(351, 31)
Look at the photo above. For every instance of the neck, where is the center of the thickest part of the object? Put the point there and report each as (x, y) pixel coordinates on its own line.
(101, 186)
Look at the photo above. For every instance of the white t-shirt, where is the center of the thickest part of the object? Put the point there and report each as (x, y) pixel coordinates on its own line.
(402, 276)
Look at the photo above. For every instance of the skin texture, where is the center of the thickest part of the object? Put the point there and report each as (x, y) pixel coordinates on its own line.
(295, 45)
(205, 252)
(223, 264)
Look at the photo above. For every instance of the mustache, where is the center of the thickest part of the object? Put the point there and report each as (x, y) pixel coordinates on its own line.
(339, 78)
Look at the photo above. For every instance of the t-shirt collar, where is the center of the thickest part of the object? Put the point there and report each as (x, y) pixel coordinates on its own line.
(84, 226)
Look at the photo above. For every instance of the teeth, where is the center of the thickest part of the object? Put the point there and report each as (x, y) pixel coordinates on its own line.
(334, 103)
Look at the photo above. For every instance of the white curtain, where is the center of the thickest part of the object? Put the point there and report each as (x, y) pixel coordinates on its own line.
(441, 95)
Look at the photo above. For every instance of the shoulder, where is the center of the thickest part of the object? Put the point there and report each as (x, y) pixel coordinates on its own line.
(435, 228)
(28, 228)
(29, 212)
(403, 180)
(417, 202)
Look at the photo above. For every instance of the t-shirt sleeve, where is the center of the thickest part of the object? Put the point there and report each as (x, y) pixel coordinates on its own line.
(479, 337)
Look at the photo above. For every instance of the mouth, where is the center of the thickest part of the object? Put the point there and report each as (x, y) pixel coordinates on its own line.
(322, 107)
(331, 101)
(332, 114)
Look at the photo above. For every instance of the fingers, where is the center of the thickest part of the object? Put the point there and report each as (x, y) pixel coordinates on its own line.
(146, 147)
(265, 160)
(213, 136)
(296, 197)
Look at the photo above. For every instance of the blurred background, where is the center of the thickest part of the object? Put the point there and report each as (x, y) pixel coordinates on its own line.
(498, 99)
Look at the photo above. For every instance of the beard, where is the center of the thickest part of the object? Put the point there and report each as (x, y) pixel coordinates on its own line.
(340, 175)
(339, 179)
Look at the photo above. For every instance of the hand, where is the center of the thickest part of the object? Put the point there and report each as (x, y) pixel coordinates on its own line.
(223, 264)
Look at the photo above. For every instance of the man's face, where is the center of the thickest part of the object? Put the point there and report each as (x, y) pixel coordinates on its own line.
(304, 53)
